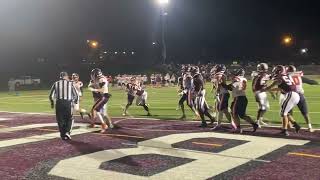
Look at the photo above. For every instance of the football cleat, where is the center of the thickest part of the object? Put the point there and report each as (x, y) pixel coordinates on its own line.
(183, 117)
(255, 126)
(217, 126)
(203, 125)
(284, 132)
(297, 127)
(261, 123)
(311, 130)
(68, 136)
(81, 115)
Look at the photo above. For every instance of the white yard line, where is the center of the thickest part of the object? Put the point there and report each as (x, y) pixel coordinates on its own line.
(151, 119)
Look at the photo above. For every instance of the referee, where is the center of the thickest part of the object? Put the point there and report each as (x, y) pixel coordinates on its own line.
(65, 95)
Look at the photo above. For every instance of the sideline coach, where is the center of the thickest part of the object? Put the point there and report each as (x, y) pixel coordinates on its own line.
(65, 95)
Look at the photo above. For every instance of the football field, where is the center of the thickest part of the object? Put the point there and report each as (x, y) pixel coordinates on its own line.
(163, 103)
(158, 147)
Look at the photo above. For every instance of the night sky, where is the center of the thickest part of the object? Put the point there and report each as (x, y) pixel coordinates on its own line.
(58, 29)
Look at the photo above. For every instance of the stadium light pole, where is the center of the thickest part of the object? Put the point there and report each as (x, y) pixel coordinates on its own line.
(163, 4)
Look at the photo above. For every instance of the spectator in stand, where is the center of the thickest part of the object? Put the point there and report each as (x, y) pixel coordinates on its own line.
(166, 79)
(11, 86)
(172, 80)
(153, 80)
(158, 80)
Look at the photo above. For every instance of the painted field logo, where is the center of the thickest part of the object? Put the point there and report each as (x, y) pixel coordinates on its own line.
(202, 166)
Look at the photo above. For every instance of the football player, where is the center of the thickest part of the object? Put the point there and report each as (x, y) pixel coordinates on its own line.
(134, 89)
(291, 98)
(79, 87)
(200, 101)
(186, 90)
(101, 86)
(258, 83)
(222, 94)
(240, 101)
(302, 105)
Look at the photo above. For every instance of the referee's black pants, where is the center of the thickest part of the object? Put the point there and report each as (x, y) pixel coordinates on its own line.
(64, 116)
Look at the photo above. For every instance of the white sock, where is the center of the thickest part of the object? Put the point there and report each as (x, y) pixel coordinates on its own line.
(309, 126)
(100, 117)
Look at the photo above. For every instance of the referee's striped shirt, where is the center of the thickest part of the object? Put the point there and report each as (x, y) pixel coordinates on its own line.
(63, 90)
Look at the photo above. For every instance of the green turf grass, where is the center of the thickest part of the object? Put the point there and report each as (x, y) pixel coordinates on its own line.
(163, 103)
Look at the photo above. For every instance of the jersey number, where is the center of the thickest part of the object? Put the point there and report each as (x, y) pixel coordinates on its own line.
(296, 80)
(288, 80)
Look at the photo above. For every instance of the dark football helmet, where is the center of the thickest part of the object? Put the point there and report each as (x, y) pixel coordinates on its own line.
(278, 70)
(262, 67)
(95, 73)
(218, 68)
(291, 68)
(195, 70)
(240, 72)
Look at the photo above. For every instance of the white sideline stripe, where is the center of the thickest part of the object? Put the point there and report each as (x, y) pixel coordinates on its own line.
(31, 126)
(5, 119)
(152, 119)
(16, 97)
(13, 142)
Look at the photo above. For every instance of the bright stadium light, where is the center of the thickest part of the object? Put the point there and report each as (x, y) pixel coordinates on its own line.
(287, 40)
(163, 2)
(116, 52)
(93, 44)
(124, 52)
(304, 51)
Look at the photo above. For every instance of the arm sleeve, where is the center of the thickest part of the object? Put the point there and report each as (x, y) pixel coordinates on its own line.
(75, 95)
(52, 93)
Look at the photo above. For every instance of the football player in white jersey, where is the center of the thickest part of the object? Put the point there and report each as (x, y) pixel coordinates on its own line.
(240, 102)
(288, 89)
(79, 87)
(302, 105)
(101, 83)
(186, 90)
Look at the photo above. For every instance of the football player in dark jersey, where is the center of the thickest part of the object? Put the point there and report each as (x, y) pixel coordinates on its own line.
(200, 101)
(134, 89)
(100, 86)
(258, 83)
(291, 97)
(222, 94)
